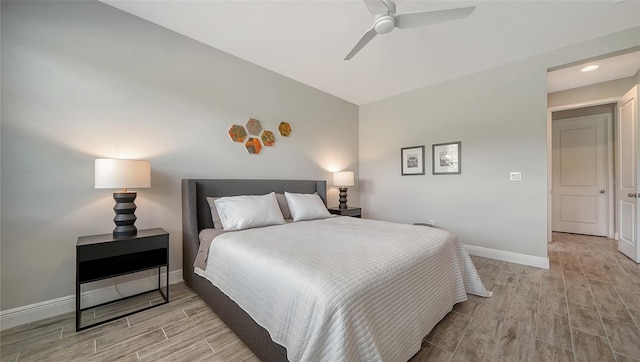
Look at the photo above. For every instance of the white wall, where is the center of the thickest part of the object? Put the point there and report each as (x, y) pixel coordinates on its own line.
(82, 80)
(500, 115)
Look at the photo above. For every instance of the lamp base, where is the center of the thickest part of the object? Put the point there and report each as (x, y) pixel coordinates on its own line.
(125, 218)
(343, 198)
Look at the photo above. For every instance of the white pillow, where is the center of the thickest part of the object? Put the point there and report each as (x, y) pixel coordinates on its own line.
(245, 212)
(306, 207)
(215, 217)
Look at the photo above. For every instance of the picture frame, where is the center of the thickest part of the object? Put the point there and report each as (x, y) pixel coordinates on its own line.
(412, 160)
(447, 158)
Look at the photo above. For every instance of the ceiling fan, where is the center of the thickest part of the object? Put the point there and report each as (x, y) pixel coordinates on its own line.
(385, 19)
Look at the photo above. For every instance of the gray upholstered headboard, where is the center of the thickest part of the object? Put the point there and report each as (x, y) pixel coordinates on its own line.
(196, 214)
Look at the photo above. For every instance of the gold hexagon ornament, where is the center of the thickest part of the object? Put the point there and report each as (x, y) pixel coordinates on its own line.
(253, 146)
(254, 127)
(285, 129)
(237, 133)
(268, 138)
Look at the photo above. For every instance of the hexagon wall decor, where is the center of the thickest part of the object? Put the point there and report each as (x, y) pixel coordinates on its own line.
(237, 133)
(285, 129)
(268, 138)
(253, 146)
(254, 127)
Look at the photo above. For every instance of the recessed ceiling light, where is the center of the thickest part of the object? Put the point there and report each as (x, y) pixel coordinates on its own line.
(590, 68)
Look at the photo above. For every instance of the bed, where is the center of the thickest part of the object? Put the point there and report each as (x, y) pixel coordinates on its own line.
(371, 304)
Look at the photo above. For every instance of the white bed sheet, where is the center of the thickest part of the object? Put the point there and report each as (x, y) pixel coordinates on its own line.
(344, 289)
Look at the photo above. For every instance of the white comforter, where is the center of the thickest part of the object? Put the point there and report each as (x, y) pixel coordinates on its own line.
(344, 289)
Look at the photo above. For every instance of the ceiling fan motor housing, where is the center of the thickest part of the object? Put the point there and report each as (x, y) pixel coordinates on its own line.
(384, 24)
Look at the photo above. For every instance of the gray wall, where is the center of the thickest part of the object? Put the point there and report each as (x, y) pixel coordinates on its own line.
(605, 90)
(82, 80)
(584, 111)
(500, 115)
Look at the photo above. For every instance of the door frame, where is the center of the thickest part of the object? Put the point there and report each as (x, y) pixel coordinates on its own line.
(611, 234)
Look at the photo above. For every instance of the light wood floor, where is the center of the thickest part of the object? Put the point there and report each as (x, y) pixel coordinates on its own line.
(586, 307)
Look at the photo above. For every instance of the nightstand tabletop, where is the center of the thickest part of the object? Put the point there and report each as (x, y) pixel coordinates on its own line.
(106, 238)
(349, 211)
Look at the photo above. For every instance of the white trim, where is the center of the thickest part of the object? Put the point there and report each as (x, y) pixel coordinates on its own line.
(549, 175)
(595, 102)
(51, 308)
(564, 107)
(611, 184)
(536, 261)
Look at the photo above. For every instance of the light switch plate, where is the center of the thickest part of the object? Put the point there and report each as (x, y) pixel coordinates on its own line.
(515, 176)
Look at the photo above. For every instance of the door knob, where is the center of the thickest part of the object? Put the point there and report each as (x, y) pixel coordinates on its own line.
(602, 191)
(631, 194)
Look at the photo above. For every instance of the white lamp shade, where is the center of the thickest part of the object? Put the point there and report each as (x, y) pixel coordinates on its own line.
(121, 174)
(343, 179)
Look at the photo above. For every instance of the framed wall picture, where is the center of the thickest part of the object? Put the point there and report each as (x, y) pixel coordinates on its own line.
(412, 159)
(446, 158)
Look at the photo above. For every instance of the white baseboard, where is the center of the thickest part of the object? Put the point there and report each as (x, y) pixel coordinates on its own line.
(508, 256)
(51, 308)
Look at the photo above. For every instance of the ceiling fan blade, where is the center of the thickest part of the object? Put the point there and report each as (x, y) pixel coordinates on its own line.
(376, 7)
(361, 43)
(411, 20)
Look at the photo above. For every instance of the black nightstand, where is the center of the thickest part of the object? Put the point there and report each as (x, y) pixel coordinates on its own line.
(349, 211)
(103, 256)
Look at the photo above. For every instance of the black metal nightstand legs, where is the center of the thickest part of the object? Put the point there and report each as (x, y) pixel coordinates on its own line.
(79, 310)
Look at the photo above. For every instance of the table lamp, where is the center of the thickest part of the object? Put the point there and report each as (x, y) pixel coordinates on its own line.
(123, 174)
(342, 180)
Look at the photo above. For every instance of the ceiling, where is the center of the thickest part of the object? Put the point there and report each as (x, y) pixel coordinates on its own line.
(610, 68)
(307, 40)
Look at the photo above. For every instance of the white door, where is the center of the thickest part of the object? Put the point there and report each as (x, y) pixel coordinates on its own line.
(579, 159)
(627, 175)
